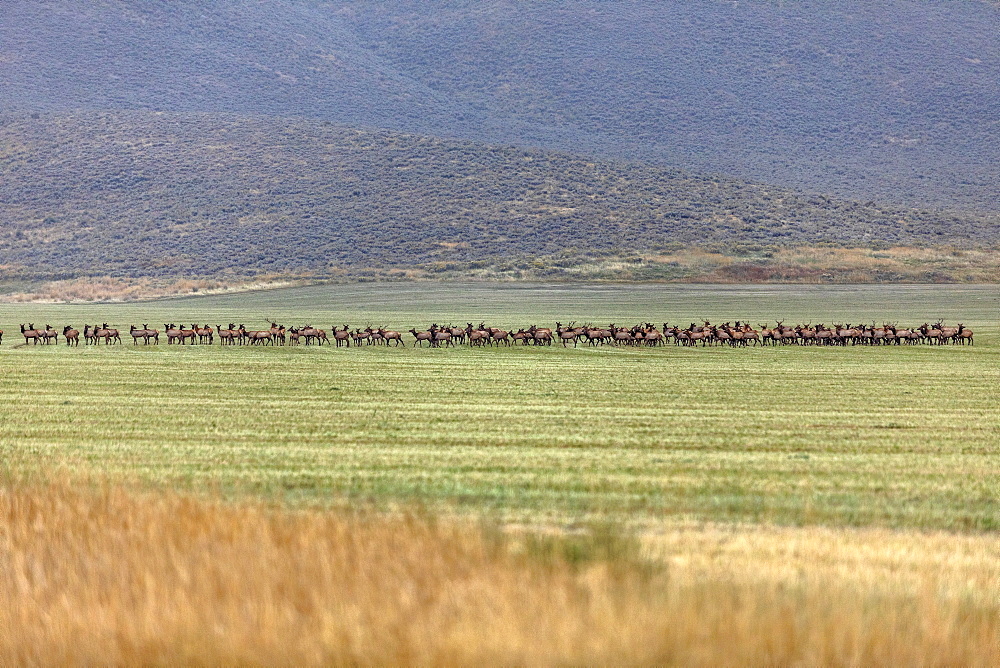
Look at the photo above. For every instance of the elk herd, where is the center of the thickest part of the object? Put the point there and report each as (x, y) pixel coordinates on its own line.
(735, 334)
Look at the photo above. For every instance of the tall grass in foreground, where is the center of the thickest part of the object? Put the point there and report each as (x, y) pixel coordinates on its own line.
(108, 575)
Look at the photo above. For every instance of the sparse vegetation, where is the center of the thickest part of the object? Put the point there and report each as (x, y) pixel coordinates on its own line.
(309, 200)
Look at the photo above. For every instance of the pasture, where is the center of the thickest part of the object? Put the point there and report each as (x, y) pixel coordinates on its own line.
(856, 436)
(698, 506)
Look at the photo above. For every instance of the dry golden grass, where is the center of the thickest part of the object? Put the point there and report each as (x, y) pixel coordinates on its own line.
(808, 264)
(102, 574)
(112, 289)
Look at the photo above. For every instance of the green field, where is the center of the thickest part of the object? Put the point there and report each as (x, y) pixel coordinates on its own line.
(902, 437)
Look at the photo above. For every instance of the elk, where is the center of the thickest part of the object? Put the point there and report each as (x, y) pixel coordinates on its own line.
(721, 335)
(30, 334)
(498, 336)
(173, 334)
(522, 336)
(205, 334)
(947, 333)
(179, 335)
(71, 335)
(309, 332)
(440, 336)
(342, 336)
(736, 333)
(750, 334)
(391, 335)
(227, 337)
(138, 334)
(567, 334)
(596, 335)
(477, 337)
(109, 335)
(932, 334)
(457, 333)
(261, 337)
(540, 336)
(277, 334)
(964, 334)
(621, 335)
(187, 334)
(767, 335)
(321, 337)
(420, 337)
(681, 337)
(50, 335)
(694, 338)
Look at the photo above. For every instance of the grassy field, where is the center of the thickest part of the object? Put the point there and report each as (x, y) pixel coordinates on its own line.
(862, 437)
(774, 506)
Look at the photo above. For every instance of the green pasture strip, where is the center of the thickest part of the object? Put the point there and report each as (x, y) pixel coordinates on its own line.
(900, 436)
(405, 305)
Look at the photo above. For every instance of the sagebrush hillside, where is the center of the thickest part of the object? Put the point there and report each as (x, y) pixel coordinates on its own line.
(892, 101)
(167, 195)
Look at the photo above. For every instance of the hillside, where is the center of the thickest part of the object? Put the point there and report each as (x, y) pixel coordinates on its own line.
(892, 101)
(170, 195)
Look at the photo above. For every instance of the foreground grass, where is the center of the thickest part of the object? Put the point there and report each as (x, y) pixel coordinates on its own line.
(106, 575)
(862, 437)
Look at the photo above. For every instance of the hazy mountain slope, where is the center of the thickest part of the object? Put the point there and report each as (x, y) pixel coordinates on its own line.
(158, 194)
(283, 58)
(890, 101)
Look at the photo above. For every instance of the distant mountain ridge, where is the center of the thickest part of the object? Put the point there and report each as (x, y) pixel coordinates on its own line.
(892, 101)
(184, 194)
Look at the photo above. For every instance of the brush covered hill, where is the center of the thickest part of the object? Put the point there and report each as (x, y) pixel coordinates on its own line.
(187, 194)
(892, 101)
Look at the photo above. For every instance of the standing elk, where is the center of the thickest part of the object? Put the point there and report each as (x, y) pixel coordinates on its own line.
(205, 334)
(540, 336)
(179, 335)
(738, 334)
(144, 333)
(440, 336)
(261, 337)
(420, 337)
(567, 334)
(228, 335)
(50, 335)
(89, 334)
(110, 335)
(360, 335)
(477, 337)
(30, 334)
(391, 335)
(342, 337)
(173, 334)
(71, 336)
